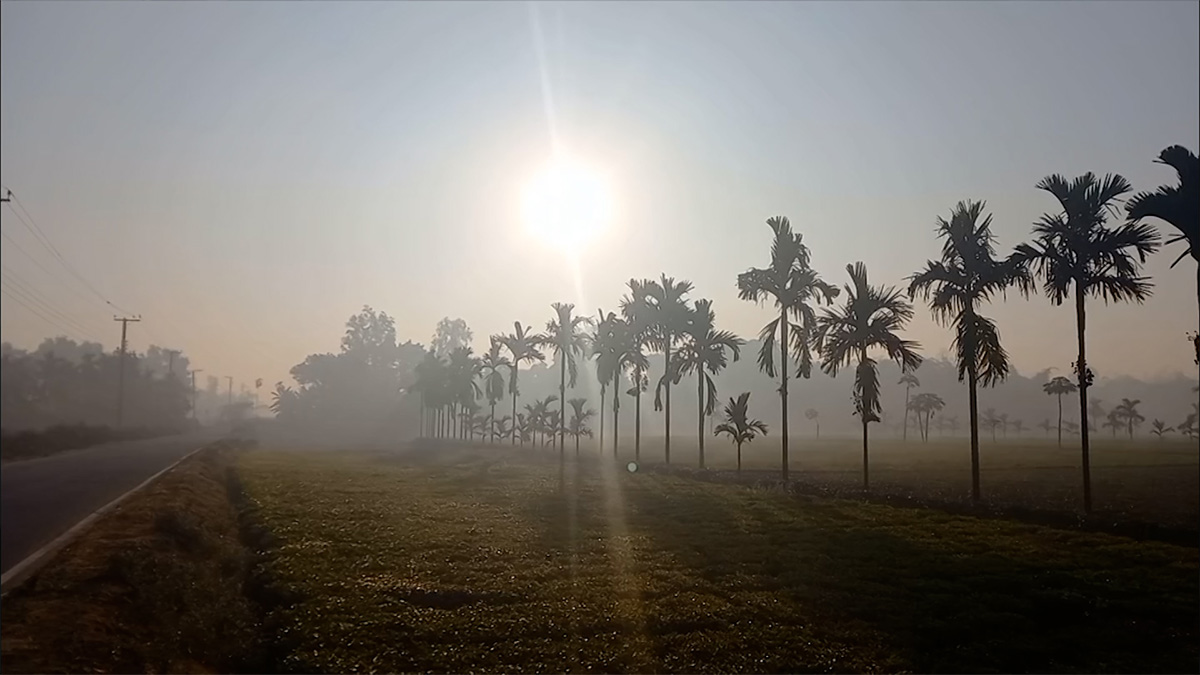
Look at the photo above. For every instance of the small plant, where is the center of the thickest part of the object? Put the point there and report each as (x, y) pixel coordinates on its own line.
(738, 424)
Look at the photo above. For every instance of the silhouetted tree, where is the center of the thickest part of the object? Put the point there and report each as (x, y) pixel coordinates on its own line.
(738, 424)
(491, 368)
(1075, 252)
(1059, 387)
(791, 284)
(1018, 426)
(1178, 205)
(703, 353)
(870, 319)
(579, 419)
(813, 415)
(1113, 421)
(449, 335)
(925, 406)
(524, 347)
(662, 308)
(1127, 412)
(1046, 426)
(991, 421)
(566, 336)
(638, 317)
(1159, 428)
(909, 380)
(968, 275)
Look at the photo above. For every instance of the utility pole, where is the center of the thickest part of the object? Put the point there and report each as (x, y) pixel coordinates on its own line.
(171, 354)
(125, 321)
(193, 374)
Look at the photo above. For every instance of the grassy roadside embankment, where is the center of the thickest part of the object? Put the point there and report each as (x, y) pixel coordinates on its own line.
(157, 585)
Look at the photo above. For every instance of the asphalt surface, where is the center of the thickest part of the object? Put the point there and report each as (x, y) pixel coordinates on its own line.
(42, 498)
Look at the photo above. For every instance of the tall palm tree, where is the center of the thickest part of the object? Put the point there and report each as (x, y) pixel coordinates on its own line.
(1160, 428)
(704, 353)
(523, 346)
(463, 369)
(870, 319)
(1075, 252)
(1059, 386)
(814, 415)
(909, 380)
(566, 335)
(1178, 205)
(1128, 412)
(636, 312)
(790, 282)
(431, 385)
(967, 275)
(579, 419)
(667, 314)
(491, 368)
(738, 424)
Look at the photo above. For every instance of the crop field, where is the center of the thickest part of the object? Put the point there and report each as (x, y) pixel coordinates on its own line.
(494, 559)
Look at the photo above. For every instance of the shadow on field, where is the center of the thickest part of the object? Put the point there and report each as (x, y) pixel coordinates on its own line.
(944, 609)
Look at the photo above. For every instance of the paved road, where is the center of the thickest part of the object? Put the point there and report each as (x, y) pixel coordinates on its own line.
(42, 498)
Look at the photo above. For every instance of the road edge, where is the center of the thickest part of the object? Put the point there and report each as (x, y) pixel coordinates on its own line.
(22, 571)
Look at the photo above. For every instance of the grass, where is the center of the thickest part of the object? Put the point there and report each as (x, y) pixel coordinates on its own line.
(19, 445)
(155, 586)
(489, 560)
(1141, 480)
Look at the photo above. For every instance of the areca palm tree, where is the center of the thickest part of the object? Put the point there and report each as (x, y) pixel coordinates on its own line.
(636, 314)
(523, 346)
(566, 336)
(814, 415)
(705, 353)
(967, 275)
(463, 369)
(431, 385)
(870, 319)
(1046, 426)
(991, 421)
(926, 405)
(738, 424)
(1127, 411)
(1075, 252)
(579, 418)
(664, 314)
(1113, 421)
(789, 282)
(491, 369)
(1178, 205)
(1060, 387)
(909, 380)
(1018, 426)
(1159, 428)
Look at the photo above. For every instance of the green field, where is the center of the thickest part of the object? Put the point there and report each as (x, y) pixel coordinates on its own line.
(1141, 479)
(491, 560)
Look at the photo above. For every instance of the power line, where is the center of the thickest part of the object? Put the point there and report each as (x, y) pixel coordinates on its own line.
(33, 296)
(44, 240)
(36, 313)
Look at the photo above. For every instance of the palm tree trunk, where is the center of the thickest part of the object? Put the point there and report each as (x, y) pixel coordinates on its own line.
(603, 391)
(667, 442)
(1081, 327)
(637, 421)
(818, 430)
(783, 388)
(739, 458)
(907, 389)
(562, 404)
(1060, 421)
(866, 472)
(700, 412)
(492, 424)
(616, 406)
(576, 446)
(973, 405)
(513, 386)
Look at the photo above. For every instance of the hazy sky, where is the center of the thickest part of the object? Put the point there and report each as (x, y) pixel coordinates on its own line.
(247, 175)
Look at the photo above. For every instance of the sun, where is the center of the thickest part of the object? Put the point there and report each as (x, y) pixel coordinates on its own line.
(567, 204)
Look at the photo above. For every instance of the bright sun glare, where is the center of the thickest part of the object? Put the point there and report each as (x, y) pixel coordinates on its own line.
(567, 205)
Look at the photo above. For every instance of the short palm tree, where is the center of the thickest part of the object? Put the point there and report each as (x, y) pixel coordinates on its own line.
(578, 425)
(566, 336)
(991, 421)
(704, 352)
(814, 416)
(523, 346)
(1046, 426)
(790, 282)
(870, 319)
(738, 424)
(1075, 252)
(492, 370)
(925, 406)
(967, 275)
(1059, 386)
(1018, 426)
(1178, 205)
(1113, 421)
(1159, 428)
(1189, 427)
(1128, 412)
(909, 380)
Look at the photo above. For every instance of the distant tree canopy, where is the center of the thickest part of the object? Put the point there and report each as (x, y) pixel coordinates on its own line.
(65, 382)
(361, 385)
